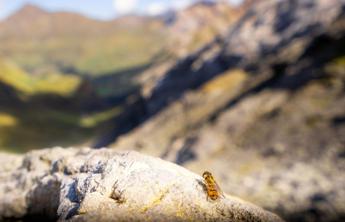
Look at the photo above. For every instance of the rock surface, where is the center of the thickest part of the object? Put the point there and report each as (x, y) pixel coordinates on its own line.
(105, 185)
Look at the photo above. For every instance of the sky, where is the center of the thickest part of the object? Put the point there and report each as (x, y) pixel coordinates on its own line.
(100, 9)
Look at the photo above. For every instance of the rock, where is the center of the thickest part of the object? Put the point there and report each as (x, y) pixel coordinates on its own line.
(105, 185)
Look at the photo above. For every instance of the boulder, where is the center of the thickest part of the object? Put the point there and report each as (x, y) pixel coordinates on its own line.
(105, 185)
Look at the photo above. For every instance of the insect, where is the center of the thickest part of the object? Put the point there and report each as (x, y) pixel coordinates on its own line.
(117, 195)
(212, 189)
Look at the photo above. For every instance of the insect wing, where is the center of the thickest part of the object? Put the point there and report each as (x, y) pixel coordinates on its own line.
(218, 188)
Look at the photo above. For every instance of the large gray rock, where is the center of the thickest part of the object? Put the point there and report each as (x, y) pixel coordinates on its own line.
(105, 185)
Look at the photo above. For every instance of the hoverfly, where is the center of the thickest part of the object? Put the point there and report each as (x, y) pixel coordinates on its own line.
(212, 188)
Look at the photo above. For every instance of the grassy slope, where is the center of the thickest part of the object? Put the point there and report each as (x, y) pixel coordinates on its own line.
(34, 124)
(54, 83)
(35, 128)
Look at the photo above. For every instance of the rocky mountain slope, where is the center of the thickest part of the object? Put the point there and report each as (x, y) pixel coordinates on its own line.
(262, 107)
(105, 185)
(188, 31)
(199, 24)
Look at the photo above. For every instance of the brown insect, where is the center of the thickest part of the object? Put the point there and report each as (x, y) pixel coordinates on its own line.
(212, 188)
(117, 195)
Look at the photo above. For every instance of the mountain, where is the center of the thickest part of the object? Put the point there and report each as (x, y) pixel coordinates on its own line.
(262, 107)
(68, 42)
(42, 42)
(189, 30)
(71, 75)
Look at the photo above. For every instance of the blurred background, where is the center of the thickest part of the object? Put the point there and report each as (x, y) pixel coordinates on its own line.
(253, 90)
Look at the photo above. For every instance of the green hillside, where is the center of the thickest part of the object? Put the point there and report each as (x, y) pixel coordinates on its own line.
(53, 83)
(67, 42)
(46, 112)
